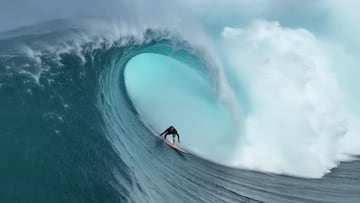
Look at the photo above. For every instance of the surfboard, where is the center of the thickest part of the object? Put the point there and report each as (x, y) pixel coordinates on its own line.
(173, 146)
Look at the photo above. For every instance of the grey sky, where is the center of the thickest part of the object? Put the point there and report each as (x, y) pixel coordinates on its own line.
(15, 13)
(314, 15)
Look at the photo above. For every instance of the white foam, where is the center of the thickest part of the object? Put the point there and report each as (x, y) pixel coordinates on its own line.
(299, 118)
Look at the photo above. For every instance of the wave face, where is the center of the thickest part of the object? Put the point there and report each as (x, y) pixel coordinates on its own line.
(258, 105)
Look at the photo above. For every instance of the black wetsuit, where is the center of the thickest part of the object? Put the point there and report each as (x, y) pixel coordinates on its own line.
(171, 131)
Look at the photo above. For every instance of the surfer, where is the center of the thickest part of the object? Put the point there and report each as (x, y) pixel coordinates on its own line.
(171, 131)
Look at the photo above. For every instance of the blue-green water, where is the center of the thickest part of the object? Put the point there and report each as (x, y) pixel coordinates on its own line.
(267, 110)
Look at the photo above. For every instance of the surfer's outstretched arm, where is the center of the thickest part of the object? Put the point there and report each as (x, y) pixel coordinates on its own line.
(164, 132)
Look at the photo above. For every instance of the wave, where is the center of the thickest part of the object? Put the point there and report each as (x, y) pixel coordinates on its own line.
(261, 97)
(286, 86)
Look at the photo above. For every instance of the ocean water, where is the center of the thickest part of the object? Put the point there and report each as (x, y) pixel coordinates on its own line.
(265, 99)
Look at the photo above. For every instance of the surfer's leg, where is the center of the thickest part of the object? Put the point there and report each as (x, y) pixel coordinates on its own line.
(173, 138)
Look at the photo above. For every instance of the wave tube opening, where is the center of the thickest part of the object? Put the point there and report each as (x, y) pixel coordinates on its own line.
(166, 91)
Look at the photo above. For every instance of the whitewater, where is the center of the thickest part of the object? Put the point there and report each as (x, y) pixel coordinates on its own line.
(264, 97)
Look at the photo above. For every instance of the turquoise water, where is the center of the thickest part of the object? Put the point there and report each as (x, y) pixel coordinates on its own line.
(264, 99)
(168, 92)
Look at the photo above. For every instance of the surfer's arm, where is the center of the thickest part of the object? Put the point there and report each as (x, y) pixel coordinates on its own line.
(164, 132)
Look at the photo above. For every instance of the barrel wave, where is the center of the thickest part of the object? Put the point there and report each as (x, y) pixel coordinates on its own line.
(80, 108)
